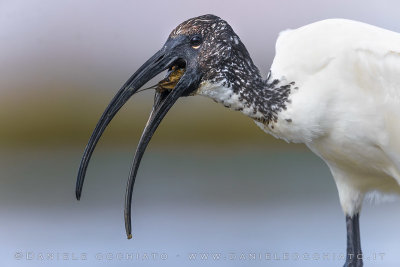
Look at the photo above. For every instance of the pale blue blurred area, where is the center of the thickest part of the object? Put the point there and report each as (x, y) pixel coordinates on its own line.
(188, 200)
(237, 197)
(98, 44)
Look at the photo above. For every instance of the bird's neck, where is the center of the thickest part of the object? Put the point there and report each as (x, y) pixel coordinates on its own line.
(249, 93)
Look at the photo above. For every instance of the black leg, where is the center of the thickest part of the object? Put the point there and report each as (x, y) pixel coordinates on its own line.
(354, 254)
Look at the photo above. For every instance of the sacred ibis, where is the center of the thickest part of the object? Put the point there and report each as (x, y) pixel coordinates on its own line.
(334, 85)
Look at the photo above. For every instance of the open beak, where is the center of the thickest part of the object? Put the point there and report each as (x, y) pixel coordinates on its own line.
(166, 58)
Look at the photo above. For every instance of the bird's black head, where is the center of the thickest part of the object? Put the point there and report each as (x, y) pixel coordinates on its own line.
(220, 56)
(200, 50)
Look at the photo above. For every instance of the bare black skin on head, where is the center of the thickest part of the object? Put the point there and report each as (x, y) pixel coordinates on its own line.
(224, 59)
(209, 50)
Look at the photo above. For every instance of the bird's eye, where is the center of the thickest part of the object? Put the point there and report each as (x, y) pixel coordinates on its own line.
(196, 41)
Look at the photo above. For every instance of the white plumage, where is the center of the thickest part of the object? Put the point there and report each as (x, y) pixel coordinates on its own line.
(347, 108)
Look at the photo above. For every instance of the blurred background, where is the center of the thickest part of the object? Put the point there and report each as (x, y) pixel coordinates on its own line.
(211, 182)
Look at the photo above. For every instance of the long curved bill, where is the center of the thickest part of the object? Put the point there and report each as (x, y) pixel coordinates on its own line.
(163, 101)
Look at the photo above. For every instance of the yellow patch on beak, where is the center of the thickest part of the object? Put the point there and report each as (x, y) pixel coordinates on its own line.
(170, 82)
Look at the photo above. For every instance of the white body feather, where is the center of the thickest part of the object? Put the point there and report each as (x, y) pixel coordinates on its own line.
(347, 105)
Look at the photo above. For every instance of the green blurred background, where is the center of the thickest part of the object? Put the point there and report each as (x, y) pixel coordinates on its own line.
(211, 180)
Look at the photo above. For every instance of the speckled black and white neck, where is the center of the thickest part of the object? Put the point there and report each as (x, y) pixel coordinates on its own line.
(259, 99)
(230, 76)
